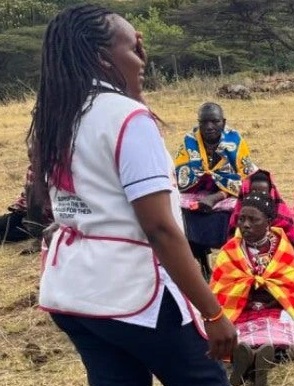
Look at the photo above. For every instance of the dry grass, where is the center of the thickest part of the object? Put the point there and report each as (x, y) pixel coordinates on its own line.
(32, 351)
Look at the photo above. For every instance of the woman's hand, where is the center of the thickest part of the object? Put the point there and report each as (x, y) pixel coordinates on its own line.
(222, 337)
(207, 203)
(48, 233)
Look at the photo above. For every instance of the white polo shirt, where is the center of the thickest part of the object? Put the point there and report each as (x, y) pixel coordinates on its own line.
(144, 170)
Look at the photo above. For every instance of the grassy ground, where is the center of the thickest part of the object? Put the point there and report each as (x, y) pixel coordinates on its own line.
(32, 351)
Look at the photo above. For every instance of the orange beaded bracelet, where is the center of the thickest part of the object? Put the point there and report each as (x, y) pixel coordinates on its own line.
(213, 318)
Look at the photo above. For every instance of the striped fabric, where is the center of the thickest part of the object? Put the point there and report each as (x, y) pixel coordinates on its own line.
(20, 204)
(260, 328)
(232, 277)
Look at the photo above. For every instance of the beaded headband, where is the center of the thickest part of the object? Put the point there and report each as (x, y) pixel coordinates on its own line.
(262, 202)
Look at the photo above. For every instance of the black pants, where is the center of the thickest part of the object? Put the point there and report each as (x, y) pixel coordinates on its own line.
(122, 354)
(205, 231)
(11, 227)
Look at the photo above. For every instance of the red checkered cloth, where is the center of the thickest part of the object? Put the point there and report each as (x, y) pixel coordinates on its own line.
(20, 204)
(265, 326)
(232, 277)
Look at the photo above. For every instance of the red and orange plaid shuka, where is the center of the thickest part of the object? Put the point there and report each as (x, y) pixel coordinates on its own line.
(232, 277)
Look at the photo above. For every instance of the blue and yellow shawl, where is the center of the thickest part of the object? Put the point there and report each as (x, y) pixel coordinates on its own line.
(235, 164)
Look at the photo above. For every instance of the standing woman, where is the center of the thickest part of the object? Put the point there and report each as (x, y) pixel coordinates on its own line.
(115, 265)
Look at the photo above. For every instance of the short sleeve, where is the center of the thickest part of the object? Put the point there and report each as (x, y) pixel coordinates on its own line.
(143, 166)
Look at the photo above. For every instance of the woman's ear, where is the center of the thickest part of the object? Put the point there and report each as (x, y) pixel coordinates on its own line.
(104, 63)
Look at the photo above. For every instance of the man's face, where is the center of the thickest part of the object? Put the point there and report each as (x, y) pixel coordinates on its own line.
(211, 124)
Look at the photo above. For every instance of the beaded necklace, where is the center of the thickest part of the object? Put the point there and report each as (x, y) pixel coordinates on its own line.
(261, 253)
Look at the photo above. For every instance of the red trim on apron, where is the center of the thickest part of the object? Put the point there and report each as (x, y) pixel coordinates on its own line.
(123, 129)
(72, 235)
(196, 322)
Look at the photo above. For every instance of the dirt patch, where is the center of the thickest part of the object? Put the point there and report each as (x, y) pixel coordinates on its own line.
(34, 353)
(29, 300)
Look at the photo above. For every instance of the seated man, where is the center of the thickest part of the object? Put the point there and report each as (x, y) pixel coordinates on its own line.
(261, 181)
(12, 228)
(210, 165)
(253, 279)
(26, 218)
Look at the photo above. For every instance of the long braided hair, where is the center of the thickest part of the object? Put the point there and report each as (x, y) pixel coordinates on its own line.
(74, 42)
